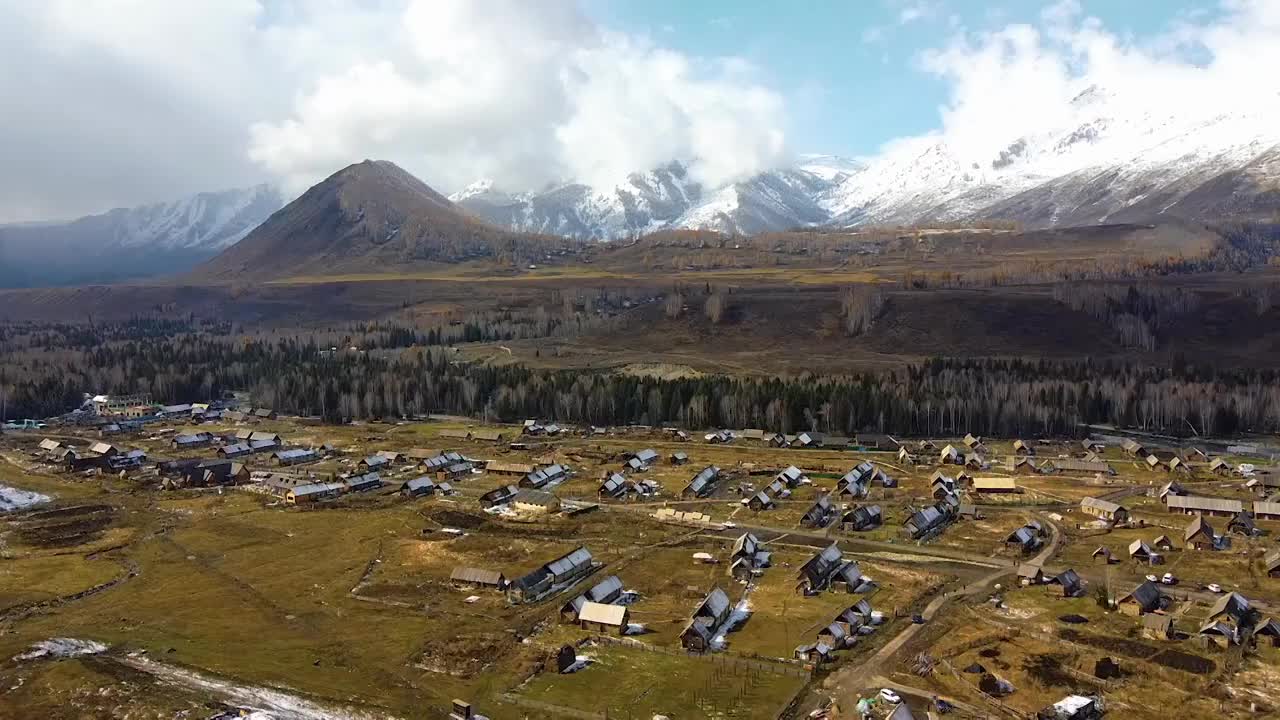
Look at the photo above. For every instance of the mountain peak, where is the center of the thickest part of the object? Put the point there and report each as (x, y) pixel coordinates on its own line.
(372, 216)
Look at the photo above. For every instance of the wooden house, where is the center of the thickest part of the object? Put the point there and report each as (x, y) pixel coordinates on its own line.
(1140, 551)
(1104, 509)
(710, 614)
(1146, 598)
(1199, 535)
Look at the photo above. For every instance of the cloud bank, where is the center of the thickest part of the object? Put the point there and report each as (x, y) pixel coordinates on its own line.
(118, 102)
(151, 99)
(1021, 80)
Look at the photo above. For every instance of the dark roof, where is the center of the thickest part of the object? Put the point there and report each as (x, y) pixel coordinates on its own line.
(1147, 595)
(535, 497)
(605, 590)
(716, 604)
(420, 483)
(476, 575)
(569, 562)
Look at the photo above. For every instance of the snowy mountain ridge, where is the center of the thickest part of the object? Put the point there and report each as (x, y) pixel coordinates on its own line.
(1104, 160)
(137, 242)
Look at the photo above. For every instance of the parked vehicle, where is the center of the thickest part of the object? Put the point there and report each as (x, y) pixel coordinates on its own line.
(1169, 579)
(1213, 588)
(890, 696)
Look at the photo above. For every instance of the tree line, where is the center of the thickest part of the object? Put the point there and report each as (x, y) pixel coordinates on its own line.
(298, 375)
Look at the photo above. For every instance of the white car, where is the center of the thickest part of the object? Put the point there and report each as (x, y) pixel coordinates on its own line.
(890, 696)
(1169, 579)
(1214, 588)
(730, 524)
(1152, 578)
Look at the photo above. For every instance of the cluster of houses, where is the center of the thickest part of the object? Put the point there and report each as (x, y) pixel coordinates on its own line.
(708, 620)
(98, 456)
(842, 632)
(600, 609)
(828, 570)
(551, 577)
(748, 558)
(783, 483)
(703, 483)
(1232, 620)
(136, 409)
(1028, 538)
(930, 520)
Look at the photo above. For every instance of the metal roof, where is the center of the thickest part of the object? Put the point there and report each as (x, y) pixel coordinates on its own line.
(716, 604)
(476, 575)
(535, 497)
(316, 489)
(419, 483)
(570, 562)
(605, 590)
(1207, 504)
(1147, 595)
(1104, 505)
(614, 615)
(1266, 508)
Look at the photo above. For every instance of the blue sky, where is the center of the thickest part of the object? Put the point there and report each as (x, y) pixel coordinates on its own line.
(849, 68)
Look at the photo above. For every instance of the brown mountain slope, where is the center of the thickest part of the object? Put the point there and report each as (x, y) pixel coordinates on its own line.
(371, 217)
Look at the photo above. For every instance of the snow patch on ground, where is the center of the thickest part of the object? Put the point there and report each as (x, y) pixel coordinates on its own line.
(62, 648)
(14, 499)
(265, 703)
(580, 662)
(736, 618)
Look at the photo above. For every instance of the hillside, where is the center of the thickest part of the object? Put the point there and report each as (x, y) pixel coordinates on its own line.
(132, 243)
(371, 217)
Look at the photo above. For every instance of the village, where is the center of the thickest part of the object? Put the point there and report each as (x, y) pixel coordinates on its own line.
(558, 571)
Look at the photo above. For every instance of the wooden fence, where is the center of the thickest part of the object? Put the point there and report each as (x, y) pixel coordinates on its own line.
(777, 667)
(561, 710)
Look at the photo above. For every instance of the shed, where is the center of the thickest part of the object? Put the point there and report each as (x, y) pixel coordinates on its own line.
(535, 501)
(508, 468)
(995, 485)
(1192, 505)
(603, 618)
(476, 577)
(1158, 627)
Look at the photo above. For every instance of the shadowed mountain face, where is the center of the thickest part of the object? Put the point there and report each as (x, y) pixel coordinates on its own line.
(371, 217)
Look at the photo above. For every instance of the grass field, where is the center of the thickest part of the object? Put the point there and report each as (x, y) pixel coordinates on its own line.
(349, 602)
(629, 683)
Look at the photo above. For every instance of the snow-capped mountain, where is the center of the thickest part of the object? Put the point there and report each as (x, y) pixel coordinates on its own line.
(135, 242)
(207, 221)
(1104, 159)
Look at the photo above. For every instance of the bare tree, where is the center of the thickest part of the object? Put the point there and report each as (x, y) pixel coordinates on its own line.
(861, 305)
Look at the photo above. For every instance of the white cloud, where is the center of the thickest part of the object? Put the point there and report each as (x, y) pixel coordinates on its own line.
(918, 10)
(1020, 79)
(121, 105)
